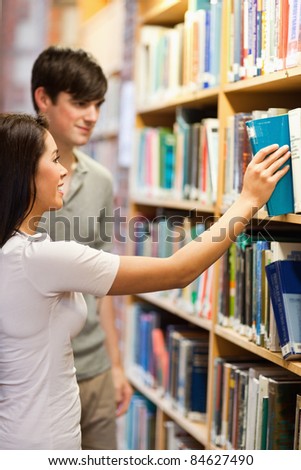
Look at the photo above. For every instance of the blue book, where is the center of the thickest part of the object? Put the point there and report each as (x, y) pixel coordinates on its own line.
(267, 131)
(198, 381)
(215, 41)
(207, 78)
(259, 247)
(199, 5)
(167, 142)
(284, 279)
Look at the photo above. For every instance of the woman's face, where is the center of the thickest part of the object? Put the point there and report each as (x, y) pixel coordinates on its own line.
(49, 179)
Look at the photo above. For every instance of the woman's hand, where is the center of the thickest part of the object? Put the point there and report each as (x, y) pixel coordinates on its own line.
(263, 173)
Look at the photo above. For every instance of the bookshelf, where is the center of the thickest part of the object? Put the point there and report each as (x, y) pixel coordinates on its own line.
(279, 88)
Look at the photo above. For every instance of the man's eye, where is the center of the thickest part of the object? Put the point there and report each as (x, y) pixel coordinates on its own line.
(56, 160)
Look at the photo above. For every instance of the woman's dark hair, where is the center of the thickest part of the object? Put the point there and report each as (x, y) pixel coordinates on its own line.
(69, 70)
(22, 142)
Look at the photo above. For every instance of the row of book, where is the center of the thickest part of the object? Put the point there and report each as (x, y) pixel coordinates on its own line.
(140, 422)
(176, 59)
(263, 36)
(138, 429)
(181, 163)
(256, 405)
(244, 300)
(256, 298)
(249, 132)
(171, 357)
(161, 237)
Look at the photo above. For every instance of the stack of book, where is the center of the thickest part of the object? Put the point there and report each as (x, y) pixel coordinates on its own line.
(256, 405)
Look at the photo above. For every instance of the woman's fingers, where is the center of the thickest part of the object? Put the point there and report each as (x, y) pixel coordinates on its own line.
(279, 173)
(275, 163)
(266, 157)
(264, 172)
(264, 152)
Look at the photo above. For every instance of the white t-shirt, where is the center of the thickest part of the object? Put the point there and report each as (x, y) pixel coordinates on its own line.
(41, 310)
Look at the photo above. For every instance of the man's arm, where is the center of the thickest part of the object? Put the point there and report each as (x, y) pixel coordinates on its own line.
(123, 390)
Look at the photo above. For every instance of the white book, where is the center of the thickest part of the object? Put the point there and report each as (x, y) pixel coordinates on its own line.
(285, 250)
(252, 412)
(273, 339)
(212, 132)
(262, 392)
(174, 61)
(293, 33)
(229, 170)
(294, 118)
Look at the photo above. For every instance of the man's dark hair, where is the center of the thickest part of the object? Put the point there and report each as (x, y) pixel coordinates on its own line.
(22, 143)
(73, 71)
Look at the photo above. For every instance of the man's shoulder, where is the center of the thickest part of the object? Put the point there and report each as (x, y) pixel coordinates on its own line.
(92, 165)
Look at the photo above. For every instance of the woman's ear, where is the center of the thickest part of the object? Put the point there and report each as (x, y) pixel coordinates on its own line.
(42, 99)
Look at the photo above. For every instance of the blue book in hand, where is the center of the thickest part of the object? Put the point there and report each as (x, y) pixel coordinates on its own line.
(267, 131)
(284, 279)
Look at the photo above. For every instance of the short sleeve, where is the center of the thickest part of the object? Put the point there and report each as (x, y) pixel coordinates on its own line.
(54, 267)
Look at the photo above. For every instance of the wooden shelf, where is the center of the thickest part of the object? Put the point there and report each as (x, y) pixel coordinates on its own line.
(169, 306)
(263, 215)
(166, 13)
(171, 203)
(194, 99)
(287, 80)
(243, 342)
(288, 218)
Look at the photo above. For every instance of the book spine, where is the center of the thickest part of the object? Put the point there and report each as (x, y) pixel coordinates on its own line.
(281, 413)
(294, 117)
(216, 425)
(207, 78)
(198, 391)
(297, 430)
(293, 33)
(278, 308)
(264, 423)
(184, 376)
(259, 37)
(260, 246)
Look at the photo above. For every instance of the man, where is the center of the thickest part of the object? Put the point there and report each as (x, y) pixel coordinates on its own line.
(68, 86)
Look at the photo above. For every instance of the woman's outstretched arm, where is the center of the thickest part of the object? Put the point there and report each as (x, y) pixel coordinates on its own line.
(144, 274)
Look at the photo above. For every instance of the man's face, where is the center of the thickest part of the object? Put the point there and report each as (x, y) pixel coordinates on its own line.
(72, 121)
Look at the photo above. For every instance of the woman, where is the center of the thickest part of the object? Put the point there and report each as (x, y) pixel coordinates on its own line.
(40, 305)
